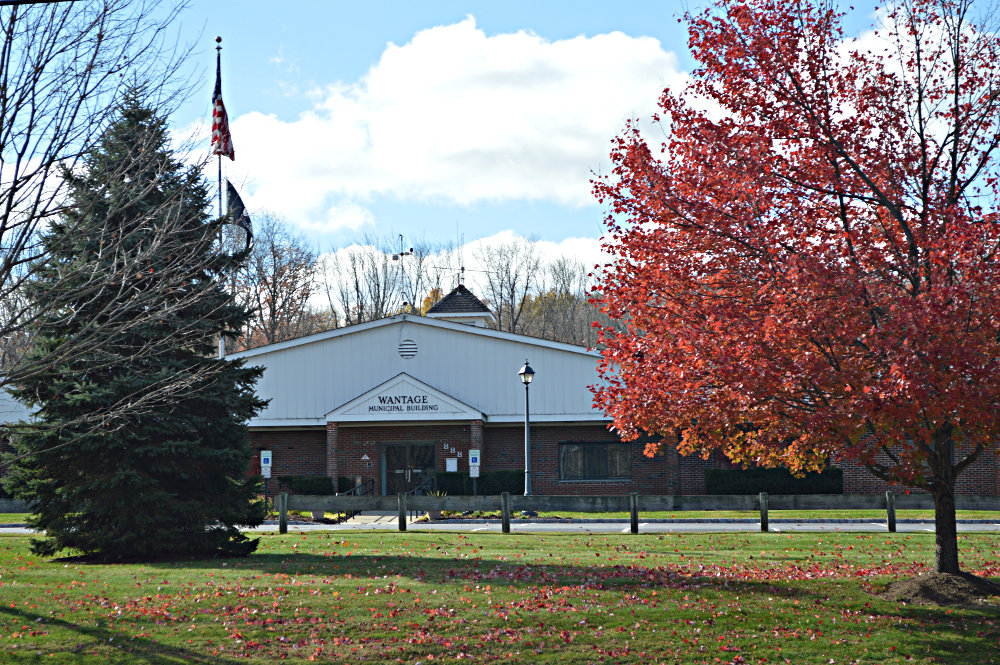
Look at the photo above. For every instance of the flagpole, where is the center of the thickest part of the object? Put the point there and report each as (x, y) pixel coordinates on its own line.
(218, 65)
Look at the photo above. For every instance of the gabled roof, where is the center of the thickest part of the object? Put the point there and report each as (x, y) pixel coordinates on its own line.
(460, 301)
(432, 369)
(413, 319)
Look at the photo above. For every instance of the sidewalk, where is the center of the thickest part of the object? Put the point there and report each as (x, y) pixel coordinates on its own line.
(381, 517)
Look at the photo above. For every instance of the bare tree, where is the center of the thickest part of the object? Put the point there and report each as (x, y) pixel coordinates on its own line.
(379, 278)
(362, 282)
(560, 309)
(67, 69)
(276, 283)
(14, 341)
(512, 272)
(63, 68)
(421, 269)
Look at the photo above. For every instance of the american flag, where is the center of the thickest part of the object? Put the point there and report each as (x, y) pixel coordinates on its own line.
(222, 140)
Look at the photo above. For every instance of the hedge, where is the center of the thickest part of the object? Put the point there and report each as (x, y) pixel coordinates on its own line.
(489, 482)
(772, 481)
(307, 484)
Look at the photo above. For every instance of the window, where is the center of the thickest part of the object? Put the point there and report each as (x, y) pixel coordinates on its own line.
(595, 461)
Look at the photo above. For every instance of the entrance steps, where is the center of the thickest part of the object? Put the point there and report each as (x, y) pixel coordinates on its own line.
(388, 518)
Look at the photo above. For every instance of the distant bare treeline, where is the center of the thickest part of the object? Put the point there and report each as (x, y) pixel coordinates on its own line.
(295, 291)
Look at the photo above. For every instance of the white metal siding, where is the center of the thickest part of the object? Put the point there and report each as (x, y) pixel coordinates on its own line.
(11, 410)
(308, 380)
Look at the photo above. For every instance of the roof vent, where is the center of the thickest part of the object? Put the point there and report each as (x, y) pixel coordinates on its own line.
(407, 348)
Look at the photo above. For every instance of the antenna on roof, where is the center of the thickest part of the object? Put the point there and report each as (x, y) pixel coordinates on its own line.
(402, 272)
(409, 252)
(461, 262)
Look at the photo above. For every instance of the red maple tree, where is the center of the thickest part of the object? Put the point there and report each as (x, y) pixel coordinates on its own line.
(807, 268)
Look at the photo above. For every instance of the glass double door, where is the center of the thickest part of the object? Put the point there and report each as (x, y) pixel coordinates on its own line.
(407, 467)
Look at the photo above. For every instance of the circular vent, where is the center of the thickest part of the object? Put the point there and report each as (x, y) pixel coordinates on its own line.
(407, 348)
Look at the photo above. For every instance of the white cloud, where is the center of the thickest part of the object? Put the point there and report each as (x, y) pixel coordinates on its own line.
(454, 117)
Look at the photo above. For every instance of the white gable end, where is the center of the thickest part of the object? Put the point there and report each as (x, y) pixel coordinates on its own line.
(403, 398)
(473, 367)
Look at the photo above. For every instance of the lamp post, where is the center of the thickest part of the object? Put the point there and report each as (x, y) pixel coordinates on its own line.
(527, 374)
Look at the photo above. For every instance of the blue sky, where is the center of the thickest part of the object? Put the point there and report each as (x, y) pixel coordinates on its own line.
(434, 119)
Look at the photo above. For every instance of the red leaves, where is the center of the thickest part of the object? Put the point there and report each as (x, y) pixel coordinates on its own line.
(804, 258)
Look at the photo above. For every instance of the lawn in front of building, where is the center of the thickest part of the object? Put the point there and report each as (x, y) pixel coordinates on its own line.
(389, 597)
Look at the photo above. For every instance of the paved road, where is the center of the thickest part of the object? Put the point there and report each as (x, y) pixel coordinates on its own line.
(610, 527)
(524, 526)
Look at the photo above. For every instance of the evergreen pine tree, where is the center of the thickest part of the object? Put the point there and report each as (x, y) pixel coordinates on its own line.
(163, 474)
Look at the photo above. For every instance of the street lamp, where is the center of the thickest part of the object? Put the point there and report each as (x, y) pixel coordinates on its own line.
(527, 374)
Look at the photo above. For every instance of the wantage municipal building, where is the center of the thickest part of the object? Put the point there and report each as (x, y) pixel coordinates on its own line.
(392, 403)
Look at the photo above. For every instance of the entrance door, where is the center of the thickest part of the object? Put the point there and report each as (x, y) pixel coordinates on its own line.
(407, 467)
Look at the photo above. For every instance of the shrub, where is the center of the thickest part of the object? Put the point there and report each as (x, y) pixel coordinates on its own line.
(772, 481)
(307, 484)
(489, 482)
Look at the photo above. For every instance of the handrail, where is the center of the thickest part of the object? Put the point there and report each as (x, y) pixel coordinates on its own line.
(363, 489)
(423, 488)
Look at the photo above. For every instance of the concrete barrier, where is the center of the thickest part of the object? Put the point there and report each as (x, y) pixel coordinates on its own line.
(13, 506)
(627, 503)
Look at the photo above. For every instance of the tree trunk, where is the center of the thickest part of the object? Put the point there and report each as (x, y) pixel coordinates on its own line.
(942, 489)
(945, 532)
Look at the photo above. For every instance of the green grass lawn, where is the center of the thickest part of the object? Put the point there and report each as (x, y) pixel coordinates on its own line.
(389, 597)
(13, 518)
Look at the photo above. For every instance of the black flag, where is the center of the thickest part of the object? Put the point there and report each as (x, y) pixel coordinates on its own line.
(237, 212)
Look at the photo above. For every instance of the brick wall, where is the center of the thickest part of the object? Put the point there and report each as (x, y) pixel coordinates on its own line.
(295, 453)
(981, 477)
(305, 452)
(504, 449)
(355, 443)
(687, 472)
(691, 470)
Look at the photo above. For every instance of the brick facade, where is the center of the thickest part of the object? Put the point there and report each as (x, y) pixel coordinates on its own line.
(296, 452)
(981, 477)
(356, 451)
(504, 449)
(346, 450)
(355, 443)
